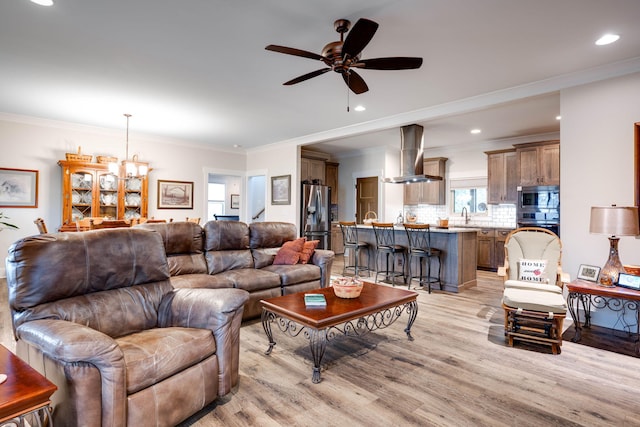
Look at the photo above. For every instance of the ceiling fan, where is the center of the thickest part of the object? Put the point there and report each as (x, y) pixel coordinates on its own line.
(344, 55)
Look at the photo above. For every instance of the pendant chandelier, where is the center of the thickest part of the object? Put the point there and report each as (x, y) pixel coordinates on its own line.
(132, 168)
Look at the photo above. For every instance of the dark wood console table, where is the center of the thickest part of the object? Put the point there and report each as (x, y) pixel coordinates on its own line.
(24, 393)
(591, 295)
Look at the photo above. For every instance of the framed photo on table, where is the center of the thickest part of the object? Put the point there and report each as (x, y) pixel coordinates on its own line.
(588, 272)
(18, 188)
(175, 195)
(281, 190)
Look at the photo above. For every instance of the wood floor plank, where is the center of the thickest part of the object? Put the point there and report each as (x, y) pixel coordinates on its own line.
(458, 371)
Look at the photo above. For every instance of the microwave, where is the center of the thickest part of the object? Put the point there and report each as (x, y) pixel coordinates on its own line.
(539, 197)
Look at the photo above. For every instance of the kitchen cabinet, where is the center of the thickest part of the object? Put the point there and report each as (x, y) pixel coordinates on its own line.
(501, 236)
(486, 248)
(90, 190)
(502, 176)
(311, 169)
(428, 193)
(491, 247)
(539, 163)
(337, 243)
(331, 179)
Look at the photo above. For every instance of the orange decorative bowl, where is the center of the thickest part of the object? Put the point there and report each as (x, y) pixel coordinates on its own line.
(347, 287)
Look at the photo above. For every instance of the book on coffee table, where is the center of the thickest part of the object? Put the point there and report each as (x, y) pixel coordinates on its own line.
(315, 300)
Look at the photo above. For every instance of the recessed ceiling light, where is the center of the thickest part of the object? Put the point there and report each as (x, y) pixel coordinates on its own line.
(558, 117)
(237, 145)
(607, 39)
(360, 108)
(475, 131)
(43, 2)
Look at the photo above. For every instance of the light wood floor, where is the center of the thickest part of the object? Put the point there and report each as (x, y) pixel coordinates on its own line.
(457, 372)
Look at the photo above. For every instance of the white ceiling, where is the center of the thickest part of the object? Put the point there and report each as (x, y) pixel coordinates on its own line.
(197, 70)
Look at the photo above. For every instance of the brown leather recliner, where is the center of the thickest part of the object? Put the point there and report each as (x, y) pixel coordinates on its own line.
(96, 314)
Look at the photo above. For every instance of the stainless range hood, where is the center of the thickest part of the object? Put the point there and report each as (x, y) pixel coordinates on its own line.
(411, 157)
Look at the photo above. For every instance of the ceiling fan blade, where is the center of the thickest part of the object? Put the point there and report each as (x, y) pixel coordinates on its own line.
(355, 82)
(359, 36)
(391, 63)
(295, 52)
(307, 76)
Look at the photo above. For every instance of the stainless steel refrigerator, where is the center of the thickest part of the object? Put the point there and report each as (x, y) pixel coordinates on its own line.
(315, 215)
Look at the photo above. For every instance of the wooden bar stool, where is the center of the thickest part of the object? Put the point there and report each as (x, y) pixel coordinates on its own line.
(419, 236)
(386, 245)
(352, 244)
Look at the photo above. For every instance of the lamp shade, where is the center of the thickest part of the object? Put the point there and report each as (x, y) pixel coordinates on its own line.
(614, 220)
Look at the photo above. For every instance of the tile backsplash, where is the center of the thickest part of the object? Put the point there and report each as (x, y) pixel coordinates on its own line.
(496, 215)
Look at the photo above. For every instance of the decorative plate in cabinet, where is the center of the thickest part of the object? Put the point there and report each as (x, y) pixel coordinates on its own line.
(134, 184)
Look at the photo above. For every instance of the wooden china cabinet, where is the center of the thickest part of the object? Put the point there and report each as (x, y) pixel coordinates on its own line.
(90, 190)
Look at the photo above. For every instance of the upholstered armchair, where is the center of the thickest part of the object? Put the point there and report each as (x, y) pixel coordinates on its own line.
(533, 302)
(95, 313)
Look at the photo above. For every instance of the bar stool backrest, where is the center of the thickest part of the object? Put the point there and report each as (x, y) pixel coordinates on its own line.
(419, 236)
(385, 236)
(349, 233)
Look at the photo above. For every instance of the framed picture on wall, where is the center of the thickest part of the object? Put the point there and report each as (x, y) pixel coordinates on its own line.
(281, 190)
(235, 201)
(175, 195)
(18, 188)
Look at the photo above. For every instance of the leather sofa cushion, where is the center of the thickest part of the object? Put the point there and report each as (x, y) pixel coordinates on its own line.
(294, 274)
(187, 264)
(155, 354)
(183, 244)
(116, 312)
(220, 261)
(226, 235)
(50, 267)
(178, 237)
(271, 234)
(215, 281)
(263, 256)
(251, 279)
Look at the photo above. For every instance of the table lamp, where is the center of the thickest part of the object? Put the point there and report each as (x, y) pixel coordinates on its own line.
(614, 221)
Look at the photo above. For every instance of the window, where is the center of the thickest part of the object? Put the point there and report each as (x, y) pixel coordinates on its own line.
(215, 197)
(474, 199)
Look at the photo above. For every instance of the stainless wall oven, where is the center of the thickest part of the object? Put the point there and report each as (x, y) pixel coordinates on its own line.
(539, 206)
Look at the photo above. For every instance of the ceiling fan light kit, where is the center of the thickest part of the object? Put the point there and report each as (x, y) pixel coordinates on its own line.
(344, 55)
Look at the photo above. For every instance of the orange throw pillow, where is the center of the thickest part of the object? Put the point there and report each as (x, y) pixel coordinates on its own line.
(307, 251)
(289, 253)
(286, 256)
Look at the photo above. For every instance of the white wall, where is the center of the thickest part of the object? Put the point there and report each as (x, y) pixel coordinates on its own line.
(597, 168)
(29, 143)
(279, 160)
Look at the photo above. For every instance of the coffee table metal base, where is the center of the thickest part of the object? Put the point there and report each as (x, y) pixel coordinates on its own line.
(318, 338)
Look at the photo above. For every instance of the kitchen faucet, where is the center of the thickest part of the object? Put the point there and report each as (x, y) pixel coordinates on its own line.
(465, 214)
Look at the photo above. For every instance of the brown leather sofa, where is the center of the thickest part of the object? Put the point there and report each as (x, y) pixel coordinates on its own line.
(96, 313)
(232, 254)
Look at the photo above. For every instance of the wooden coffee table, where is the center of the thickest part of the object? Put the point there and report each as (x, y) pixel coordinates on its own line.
(377, 307)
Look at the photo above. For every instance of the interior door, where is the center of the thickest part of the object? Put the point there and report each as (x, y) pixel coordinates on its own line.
(366, 197)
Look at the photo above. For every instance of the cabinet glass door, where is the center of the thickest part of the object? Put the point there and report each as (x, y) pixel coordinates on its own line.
(108, 195)
(133, 198)
(81, 195)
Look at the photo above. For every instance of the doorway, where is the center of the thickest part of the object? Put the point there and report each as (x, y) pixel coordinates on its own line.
(366, 197)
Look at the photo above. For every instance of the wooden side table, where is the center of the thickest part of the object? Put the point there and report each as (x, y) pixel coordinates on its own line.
(24, 392)
(591, 295)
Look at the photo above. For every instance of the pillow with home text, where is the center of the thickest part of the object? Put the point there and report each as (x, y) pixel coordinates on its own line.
(532, 270)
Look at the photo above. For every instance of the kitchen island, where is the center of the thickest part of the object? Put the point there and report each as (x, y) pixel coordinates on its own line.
(459, 253)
